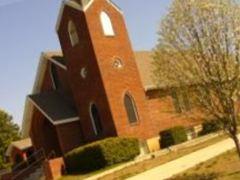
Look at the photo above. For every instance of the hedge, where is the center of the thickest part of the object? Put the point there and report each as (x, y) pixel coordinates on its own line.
(209, 127)
(173, 136)
(102, 153)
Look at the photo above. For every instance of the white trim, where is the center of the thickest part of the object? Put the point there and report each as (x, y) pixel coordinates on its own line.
(88, 5)
(78, 7)
(151, 87)
(57, 122)
(72, 33)
(108, 1)
(115, 6)
(9, 150)
(52, 78)
(57, 63)
(44, 54)
(65, 121)
(40, 110)
(66, 3)
(28, 110)
(60, 14)
(27, 116)
(73, 5)
(42, 67)
(92, 120)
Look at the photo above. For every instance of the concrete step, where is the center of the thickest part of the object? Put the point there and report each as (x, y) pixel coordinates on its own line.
(36, 175)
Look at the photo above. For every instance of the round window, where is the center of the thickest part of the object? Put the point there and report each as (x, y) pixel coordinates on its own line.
(83, 72)
(117, 63)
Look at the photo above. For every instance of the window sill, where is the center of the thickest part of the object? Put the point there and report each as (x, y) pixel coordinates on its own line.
(135, 124)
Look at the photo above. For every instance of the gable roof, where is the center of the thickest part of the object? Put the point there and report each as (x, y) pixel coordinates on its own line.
(22, 145)
(144, 61)
(56, 109)
(28, 109)
(80, 5)
(144, 64)
(57, 58)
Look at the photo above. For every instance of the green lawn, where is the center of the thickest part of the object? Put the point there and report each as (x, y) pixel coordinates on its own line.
(147, 164)
(223, 167)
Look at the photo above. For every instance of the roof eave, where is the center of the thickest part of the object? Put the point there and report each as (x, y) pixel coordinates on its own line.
(151, 88)
(28, 110)
(54, 122)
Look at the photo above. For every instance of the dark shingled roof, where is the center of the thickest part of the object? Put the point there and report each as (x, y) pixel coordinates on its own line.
(54, 106)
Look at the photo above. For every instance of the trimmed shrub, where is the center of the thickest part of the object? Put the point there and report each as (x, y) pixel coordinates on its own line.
(173, 136)
(209, 127)
(102, 153)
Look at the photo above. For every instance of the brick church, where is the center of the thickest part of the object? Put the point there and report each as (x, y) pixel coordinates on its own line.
(97, 86)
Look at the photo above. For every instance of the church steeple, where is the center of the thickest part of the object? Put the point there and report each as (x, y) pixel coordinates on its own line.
(102, 70)
(83, 3)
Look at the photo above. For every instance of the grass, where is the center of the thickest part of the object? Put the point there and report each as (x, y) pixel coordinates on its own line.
(147, 164)
(223, 167)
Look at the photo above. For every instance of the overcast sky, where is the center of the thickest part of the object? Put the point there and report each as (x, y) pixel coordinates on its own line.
(27, 27)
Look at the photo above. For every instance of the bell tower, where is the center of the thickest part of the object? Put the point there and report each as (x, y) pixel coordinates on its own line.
(102, 70)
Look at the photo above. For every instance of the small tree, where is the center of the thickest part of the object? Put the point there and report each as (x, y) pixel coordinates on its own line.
(8, 132)
(199, 45)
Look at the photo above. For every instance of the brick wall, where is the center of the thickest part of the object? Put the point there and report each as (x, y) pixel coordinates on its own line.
(164, 115)
(44, 135)
(53, 169)
(69, 135)
(90, 89)
(118, 82)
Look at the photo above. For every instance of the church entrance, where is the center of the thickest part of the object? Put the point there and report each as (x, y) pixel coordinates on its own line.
(44, 136)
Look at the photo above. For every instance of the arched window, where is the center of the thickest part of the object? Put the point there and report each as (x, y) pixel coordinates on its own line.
(73, 35)
(54, 76)
(95, 118)
(131, 109)
(106, 24)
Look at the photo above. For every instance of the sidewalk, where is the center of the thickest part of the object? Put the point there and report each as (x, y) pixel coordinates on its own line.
(179, 165)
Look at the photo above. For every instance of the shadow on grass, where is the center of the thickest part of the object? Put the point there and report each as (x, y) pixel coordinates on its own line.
(233, 173)
(84, 174)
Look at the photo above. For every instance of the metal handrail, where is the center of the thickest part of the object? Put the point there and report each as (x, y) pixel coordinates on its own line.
(37, 160)
(4, 171)
(33, 156)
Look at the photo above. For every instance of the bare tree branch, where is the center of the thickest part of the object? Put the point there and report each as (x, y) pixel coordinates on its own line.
(199, 44)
